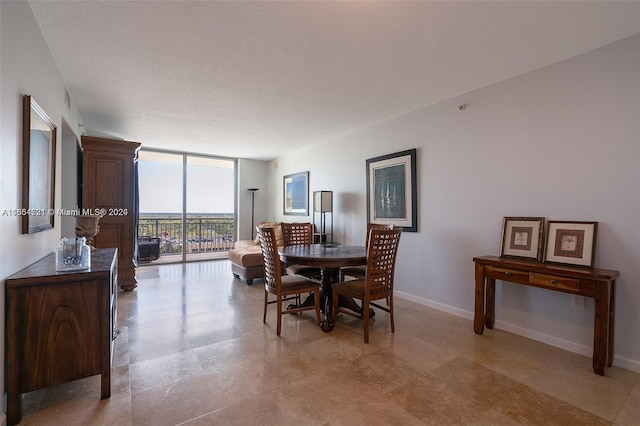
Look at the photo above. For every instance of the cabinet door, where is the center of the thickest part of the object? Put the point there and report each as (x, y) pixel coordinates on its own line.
(108, 183)
(61, 326)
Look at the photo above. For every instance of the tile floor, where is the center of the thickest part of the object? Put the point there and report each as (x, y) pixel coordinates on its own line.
(193, 350)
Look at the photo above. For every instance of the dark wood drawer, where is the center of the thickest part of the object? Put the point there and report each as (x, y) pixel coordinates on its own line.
(555, 282)
(509, 274)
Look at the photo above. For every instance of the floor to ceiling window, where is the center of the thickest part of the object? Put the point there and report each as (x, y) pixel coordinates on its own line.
(186, 206)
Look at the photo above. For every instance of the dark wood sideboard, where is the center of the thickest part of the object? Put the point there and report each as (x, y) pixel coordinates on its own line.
(61, 326)
(598, 284)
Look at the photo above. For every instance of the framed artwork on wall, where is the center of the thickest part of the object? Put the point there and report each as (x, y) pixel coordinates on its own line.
(38, 168)
(522, 237)
(392, 196)
(296, 194)
(572, 243)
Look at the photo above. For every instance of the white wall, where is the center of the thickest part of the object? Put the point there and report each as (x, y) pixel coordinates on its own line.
(69, 180)
(27, 67)
(251, 174)
(561, 142)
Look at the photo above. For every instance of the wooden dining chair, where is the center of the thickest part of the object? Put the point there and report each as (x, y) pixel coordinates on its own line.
(284, 287)
(359, 271)
(299, 233)
(377, 284)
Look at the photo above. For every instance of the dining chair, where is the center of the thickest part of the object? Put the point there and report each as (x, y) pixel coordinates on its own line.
(359, 271)
(284, 287)
(299, 233)
(377, 284)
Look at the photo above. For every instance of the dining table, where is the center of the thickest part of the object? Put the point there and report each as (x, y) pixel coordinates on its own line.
(329, 258)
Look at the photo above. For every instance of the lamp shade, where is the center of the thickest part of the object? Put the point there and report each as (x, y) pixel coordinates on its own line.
(323, 201)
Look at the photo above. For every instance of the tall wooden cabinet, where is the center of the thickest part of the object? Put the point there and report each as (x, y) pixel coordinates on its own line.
(108, 184)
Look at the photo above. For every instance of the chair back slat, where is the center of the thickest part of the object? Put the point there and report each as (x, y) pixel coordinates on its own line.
(297, 233)
(272, 266)
(371, 226)
(381, 262)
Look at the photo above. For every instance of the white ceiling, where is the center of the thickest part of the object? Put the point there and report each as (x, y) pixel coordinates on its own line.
(260, 79)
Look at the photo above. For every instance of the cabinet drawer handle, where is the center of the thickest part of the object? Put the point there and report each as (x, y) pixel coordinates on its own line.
(508, 273)
(554, 281)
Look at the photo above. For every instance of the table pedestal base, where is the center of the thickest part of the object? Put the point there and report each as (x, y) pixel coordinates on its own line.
(329, 260)
(331, 276)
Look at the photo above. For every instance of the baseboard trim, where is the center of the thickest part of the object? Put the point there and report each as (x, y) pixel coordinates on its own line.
(619, 361)
(436, 305)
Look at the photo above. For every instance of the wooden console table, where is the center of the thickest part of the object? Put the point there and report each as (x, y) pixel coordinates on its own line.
(596, 283)
(60, 326)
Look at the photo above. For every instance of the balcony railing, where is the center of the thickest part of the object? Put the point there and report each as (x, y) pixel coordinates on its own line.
(204, 234)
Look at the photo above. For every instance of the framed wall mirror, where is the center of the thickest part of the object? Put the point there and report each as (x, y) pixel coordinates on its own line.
(38, 168)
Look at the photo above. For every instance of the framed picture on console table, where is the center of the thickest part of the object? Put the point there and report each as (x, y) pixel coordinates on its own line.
(522, 237)
(572, 243)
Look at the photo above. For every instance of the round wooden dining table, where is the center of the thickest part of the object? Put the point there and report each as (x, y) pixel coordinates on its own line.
(329, 258)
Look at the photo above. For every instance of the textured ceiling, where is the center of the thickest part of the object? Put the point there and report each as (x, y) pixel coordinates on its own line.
(259, 79)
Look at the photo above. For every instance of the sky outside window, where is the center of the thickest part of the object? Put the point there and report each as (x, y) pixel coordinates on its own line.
(210, 184)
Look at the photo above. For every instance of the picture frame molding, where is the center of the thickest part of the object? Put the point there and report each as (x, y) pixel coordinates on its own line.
(571, 243)
(407, 159)
(38, 168)
(514, 228)
(288, 207)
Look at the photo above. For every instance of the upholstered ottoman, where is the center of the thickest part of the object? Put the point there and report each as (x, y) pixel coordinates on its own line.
(246, 261)
(246, 255)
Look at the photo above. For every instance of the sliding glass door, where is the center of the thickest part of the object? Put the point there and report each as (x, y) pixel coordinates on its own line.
(160, 189)
(210, 209)
(186, 207)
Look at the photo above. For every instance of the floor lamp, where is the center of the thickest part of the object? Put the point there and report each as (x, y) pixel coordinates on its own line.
(253, 198)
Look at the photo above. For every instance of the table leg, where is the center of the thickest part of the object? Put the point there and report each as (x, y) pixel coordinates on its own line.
(309, 301)
(329, 277)
(612, 317)
(490, 304)
(478, 324)
(601, 329)
(349, 303)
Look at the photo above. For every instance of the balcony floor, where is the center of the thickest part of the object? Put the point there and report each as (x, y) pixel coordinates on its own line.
(191, 257)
